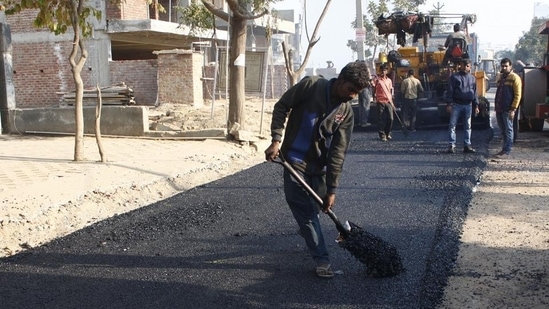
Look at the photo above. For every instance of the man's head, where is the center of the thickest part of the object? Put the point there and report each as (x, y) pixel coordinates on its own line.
(456, 28)
(354, 77)
(506, 65)
(465, 66)
(356, 72)
(383, 69)
(410, 72)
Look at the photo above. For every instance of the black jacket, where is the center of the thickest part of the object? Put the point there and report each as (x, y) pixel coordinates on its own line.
(317, 132)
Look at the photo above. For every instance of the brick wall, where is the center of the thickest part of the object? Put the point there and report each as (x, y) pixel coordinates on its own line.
(23, 21)
(179, 73)
(278, 83)
(128, 10)
(40, 70)
(139, 75)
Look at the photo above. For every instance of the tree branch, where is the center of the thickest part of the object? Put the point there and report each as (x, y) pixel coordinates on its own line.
(215, 10)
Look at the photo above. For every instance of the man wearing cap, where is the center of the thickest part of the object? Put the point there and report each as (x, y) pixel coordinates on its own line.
(411, 88)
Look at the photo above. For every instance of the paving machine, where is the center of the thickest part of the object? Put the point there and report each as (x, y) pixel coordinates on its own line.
(433, 67)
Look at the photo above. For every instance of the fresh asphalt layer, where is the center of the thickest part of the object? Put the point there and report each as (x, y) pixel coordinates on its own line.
(232, 243)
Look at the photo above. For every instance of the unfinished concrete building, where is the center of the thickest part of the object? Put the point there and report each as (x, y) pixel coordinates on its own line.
(158, 59)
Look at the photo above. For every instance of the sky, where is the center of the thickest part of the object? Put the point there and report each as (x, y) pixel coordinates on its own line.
(499, 24)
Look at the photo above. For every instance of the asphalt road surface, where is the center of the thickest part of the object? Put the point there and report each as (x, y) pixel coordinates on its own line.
(232, 243)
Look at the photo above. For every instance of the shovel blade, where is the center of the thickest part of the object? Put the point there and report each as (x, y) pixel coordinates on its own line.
(380, 257)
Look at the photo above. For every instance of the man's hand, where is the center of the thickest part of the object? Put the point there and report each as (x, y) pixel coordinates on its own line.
(271, 152)
(329, 201)
(511, 114)
(477, 111)
(449, 108)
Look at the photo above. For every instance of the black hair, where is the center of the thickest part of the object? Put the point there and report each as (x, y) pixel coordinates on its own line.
(457, 27)
(356, 72)
(506, 60)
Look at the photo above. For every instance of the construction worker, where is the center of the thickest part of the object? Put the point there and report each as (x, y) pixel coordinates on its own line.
(411, 88)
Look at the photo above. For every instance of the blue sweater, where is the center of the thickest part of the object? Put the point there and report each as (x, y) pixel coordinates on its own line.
(462, 89)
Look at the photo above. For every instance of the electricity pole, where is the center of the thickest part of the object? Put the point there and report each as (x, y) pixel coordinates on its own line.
(360, 31)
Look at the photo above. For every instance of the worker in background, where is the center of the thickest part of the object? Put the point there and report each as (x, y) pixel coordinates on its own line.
(461, 99)
(507, 100)
(457, 34)
(411, 88)
(453, 51)
(365, 98)
(383, 93)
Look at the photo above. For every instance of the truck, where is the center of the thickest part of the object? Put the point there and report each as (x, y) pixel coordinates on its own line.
(486, 62)
(491, 70)
(428, 62)
(534, 105)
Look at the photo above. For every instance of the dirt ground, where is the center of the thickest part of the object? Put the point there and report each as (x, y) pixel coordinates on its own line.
(213, 114)
(503, 258)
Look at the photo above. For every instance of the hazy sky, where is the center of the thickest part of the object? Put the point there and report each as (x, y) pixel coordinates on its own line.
(499, 24)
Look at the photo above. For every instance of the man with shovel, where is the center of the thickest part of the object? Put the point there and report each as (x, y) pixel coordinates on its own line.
(319, 121)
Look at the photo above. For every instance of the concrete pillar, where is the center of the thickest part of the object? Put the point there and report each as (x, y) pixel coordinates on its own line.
(99, 58)
(180, 77)
(7, 89)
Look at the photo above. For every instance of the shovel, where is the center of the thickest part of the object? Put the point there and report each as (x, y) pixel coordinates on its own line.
(404, 129)
(381, 258)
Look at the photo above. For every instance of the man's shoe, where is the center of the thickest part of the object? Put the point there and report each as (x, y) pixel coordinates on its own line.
(324, 271)
(389, 137)
(451, 149)
(502, 155)
(383, 138)
(468, 149)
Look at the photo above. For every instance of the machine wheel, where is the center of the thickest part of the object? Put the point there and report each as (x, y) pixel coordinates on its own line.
(531, 124)
(537, 124)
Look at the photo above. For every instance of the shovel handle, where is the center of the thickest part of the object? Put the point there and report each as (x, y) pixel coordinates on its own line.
(312, 193)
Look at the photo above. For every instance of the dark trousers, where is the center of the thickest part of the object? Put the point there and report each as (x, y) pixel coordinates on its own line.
(384, 118)
(409, 111)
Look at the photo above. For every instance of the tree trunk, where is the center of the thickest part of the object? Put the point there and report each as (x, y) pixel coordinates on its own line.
(237, 72)
(98, 126)
(156, 13)
(78, 108)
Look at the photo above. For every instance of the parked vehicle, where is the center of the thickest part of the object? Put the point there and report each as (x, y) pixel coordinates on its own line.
(534, 105)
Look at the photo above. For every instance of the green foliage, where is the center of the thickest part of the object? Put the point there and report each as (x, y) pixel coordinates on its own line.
(532, 46)
(507, 53)
(56, 15)
(196, 16)
(158, 6)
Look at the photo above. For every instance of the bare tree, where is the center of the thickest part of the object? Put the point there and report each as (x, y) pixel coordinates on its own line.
(295, 74)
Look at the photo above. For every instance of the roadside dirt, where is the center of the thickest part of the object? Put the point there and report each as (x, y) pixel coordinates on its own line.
(170, 117)
(503, 258)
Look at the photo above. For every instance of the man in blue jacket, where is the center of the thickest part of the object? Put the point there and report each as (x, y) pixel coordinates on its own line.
(461, 99)
(319, 122)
